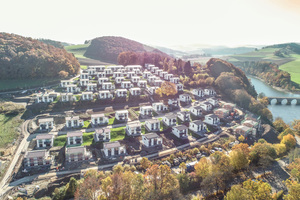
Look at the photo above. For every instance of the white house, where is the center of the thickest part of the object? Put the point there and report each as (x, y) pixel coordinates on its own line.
(162, 74)
(46, 124)
(126, 84)
(212, 119)
(196, 111)
(206, 106)
(170, 119)
(146, 110)
(91, 86)
(209, 92)
(65, 97)
(142, 83)
(121, 92)
(91, 71)
(112, 149)
(185, 98)
(84, 82)
(184, 116)
(174, 80)
(152, 140)
(135, 91)
(105, 94)
(77, 153)
(108, 72)
(173, 103)
(102, 135)
(179, 87)
(151, 79)
(108, 86)
(43, 98)
(87, 96)
(72, 88)
(98, 68)
(167, 77)
(44, 140)
(121, 115)
(154, 68)
(74, 138)
(37, 158)
(130, 68)
(157, 82)
(134, 129)
(146, 74)
(180, 131)
(99, 119)
(130, 74)
(152, 125)
(197, 126)
(149, 66)
(102, 80)
(198, 92)
(84, 75)
(73, 122)
(158, 71)
(135, 79)
(100, 74)
(152, 90)
(119, 80)
(159, 107)
(117, 74)
(213, 101)
(64, 83)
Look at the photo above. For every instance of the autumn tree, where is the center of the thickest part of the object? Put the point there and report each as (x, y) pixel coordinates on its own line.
(182, 167)
(259, 190)
(145, 163)
(167, 88)
(202, 168)
(293, 190)
(296, 126)
(280, 125)
(286, 132)
(289, 141)
(160, 183)
(237, 192)
(294, 168)
(238, 159)
(241, 138)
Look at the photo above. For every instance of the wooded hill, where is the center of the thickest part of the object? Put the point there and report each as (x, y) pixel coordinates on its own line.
(108, 48)
(22, 57)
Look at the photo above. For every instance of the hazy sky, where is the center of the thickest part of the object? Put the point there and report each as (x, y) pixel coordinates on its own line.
(156, 22)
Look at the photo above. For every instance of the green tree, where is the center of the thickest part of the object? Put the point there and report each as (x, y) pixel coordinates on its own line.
(289, 141)
(237, 192)
(71, 188)
(145, 163)
(280, 125)
(182, 167)
(238, 159)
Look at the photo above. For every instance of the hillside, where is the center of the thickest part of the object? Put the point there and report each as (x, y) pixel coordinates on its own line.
(285, 56)
(27, 58)
(108, 48)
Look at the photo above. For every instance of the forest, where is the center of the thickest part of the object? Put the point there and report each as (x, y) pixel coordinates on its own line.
(27, 58)
(108, 48)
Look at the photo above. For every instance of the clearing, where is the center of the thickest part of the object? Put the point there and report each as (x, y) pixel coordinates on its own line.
(8, 129)
(25, 83)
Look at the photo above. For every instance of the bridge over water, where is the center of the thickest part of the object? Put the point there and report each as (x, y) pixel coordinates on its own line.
(284, 100)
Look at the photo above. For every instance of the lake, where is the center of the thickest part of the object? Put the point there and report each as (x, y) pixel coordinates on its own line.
(287, 112)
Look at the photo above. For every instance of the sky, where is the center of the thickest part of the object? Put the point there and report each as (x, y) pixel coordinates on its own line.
(167, 23)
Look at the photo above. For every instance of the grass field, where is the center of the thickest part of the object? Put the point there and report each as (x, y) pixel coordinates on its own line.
(117, 133)
(88, 138)
(77, 50)
(60, 141)
(24, 83)
(293, 68)
(8, 133)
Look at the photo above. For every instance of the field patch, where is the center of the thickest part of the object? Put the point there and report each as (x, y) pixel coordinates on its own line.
(77, 50)
(293, 68)
(117, 133)
(8, 129)
(25, 83)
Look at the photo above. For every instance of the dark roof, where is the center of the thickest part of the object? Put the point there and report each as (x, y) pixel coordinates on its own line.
(134, 124)
(212, 115)
(180, 127)
(151, 135)
(184, 112)
(207, 103)
(171, 116)
(45, 120)
(102, 130)
(36, 153)
(152, 121)
(44, 136)
(197, 122)
(108, 145)
(77, 149)
(74, 134)
(73, 118)
(197, 107)
(98, 115)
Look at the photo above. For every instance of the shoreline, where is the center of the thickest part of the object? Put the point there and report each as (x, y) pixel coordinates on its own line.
(274, 87)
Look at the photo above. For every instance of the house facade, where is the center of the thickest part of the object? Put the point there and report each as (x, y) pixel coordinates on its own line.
(44, 140)
(121, 92)
(75, 154)
(133, 129)
(170, 119)
(185, 98)
(180, 131)
(102, 135)
(74, 138)
(184, 116)
(212, 119)
(197, 126)
(121, 115)
(159, 107)
(146, 110)
(46, 124)
(98, 119)
(37, 158)
(196, 111)
(73, 122)
(152, 125)
(113, 149)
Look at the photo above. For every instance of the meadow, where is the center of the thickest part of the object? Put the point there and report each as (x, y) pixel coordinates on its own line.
(8, 132)
(25, 83)
(77, 50)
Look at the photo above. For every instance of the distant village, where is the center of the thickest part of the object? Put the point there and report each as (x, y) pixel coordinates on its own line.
(72, 139)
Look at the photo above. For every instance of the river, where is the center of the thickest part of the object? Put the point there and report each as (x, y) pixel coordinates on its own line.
(287, 112)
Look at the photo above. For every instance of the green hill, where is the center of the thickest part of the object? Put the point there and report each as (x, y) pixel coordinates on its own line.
(108, 48)
(285, 56)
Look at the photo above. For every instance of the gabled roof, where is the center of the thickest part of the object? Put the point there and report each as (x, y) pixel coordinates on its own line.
(122, 111)
(45, 120)
(72, 118)
(102, 130)
(212, 115)
(152, 121)
(170, 116)
(180, 127)
(197, 122)
(197, 107)
(44, 136)
(77, 149)
(98, 115)
(109, 145)
(36, 153)
(74, 134)
(151, 136)
(134, 124)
